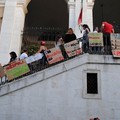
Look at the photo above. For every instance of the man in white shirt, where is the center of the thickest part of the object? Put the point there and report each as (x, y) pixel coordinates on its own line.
(24, 55)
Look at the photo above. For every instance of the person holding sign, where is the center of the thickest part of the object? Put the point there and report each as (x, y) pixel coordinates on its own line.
(13, 56)
(41, 50)
(69, 36)
(85, 42)
(58, 41)
(24, 54)
(107, 29)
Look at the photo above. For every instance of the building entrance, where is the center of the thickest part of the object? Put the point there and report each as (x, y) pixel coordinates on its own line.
(44, 20)
(47, 13)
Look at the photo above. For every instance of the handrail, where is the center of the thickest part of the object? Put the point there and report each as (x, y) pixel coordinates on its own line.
(38, 66)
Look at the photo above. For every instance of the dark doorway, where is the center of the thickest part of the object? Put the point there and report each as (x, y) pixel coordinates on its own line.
(47, 13)
(107, 10)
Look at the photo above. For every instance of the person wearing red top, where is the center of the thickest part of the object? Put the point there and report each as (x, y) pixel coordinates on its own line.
(107, 29)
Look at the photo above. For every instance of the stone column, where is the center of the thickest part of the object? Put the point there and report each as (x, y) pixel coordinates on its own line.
(77, 12)
(90, 4)
(12, 25)
(87, 16)
(71, 4)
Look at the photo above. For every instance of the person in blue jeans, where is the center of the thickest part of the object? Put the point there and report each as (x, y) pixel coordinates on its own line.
(85, 41)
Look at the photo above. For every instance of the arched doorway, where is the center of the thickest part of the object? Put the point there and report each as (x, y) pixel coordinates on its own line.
(44, 20)
(47, 13)
(107, 10)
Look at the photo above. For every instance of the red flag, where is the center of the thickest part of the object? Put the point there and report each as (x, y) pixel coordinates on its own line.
(80, 15)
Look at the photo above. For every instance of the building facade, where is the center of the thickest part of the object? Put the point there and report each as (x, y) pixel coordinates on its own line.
(12, 18)
(84, 87)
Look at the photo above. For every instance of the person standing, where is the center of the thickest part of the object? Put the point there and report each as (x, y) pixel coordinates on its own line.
(13, 56)
(24, 54)
(41, 50)
(58, 41)
(96, 30)
(69, 36)
(42, 47)
(107, 29)
(85, 42)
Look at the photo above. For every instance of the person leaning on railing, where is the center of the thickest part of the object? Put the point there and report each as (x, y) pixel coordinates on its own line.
(69, 36)
(107, 29)
(13, 56)
(24, 54)
(58, 41)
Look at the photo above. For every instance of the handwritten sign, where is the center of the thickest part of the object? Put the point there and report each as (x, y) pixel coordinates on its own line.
(16, 69)
(95, 39)
(73, 48)
(54, 55)
(115, 44)
(34, 58)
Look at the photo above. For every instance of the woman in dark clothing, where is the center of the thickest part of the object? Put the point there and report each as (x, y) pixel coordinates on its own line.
(41, 50)
(13, 56)
(42, 47)
(69, 36)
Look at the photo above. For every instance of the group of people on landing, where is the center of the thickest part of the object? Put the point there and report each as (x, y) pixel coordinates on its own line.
(13, 55)
(69, 36)
(106, 29)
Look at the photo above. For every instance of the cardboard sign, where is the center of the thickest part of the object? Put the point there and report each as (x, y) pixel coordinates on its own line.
(73, 48)
(2, 73)
(34, 58)
(95, 39)
(16, 69)
(54, 55)
(38, 56)
(115, 44)
(29, 59)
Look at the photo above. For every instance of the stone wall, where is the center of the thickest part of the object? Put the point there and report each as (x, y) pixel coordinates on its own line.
(59, 92)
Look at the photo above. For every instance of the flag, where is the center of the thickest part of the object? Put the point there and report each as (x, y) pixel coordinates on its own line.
(80, 15)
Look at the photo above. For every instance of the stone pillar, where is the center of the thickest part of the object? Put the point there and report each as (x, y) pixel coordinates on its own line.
(12, 26)
(77, 12)
(71, 4)
(87, 16)
(89, 19)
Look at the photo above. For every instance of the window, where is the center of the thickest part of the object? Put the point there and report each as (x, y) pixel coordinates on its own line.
(91, 84)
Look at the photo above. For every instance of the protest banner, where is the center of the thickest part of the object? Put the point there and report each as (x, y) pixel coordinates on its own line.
(34, 58)
(54, 55)
(73, 48)
(2, 73)
(115, 44)
(95, 39)
(16, 69)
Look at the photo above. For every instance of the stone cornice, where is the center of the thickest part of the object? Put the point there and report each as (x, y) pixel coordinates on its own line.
(24, 4)
(20, 3)
(2, 3)
(71, 4)
(90, 4)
